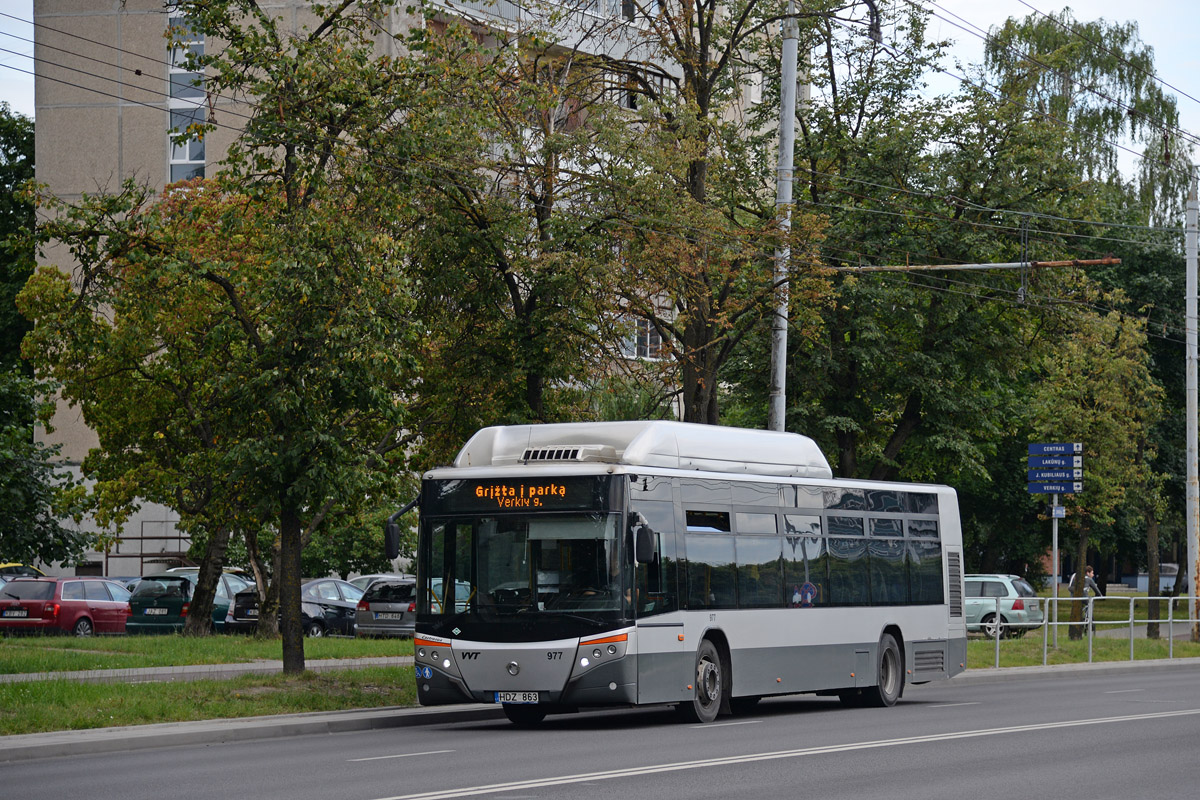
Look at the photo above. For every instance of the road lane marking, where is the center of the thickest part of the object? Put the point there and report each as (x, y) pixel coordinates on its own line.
(632, 772)
(400, 755)
(956, 705)
(727, 724)
(1124, 691)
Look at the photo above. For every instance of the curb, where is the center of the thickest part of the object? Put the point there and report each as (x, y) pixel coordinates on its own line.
(28, 747)
(1005, 674)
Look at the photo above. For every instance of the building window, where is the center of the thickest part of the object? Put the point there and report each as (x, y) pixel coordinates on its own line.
(645, 341)
(186, 109)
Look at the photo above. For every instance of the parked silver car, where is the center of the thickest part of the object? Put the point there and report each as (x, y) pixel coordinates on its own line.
(1020, 608)
(388, 608)
(364, 581)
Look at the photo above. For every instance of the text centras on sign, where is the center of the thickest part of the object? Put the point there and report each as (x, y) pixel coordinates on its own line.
(521, 495)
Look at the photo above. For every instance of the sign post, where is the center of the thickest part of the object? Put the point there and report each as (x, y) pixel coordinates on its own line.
(1055, 468)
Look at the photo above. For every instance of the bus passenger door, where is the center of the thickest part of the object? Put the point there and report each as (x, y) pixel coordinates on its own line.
(664, 657)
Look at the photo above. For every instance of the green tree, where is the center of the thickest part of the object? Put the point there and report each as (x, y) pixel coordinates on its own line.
(512, 264)
(692, 199)
(234, 357)
(1096, 388)
(1098, 78)
(35, 498)
(16, 216)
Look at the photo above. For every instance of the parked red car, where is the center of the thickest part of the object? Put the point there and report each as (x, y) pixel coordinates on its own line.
(78, 605)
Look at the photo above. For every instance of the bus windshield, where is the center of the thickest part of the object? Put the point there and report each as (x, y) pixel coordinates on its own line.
(492, 568)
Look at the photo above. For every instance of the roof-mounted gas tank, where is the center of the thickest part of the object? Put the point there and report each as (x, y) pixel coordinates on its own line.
(650, 443)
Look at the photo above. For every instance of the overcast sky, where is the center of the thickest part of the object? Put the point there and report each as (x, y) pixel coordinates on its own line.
(1169, 26)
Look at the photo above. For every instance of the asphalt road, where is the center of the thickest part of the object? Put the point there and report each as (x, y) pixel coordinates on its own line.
(1128, 733)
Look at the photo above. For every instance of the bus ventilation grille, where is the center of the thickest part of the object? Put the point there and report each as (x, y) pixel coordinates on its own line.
(954, 561)
(579, 453)
(929, 661)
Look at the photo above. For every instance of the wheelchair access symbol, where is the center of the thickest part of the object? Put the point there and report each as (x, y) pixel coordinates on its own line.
(804, 595)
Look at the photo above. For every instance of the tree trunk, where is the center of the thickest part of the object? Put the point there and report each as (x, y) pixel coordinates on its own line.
(268, 600)
(288, 579)
(1152, 589)
(199, 620)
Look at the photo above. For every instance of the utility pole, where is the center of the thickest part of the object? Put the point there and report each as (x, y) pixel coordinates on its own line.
(783, 211)
(783, 202)
(1193, 480)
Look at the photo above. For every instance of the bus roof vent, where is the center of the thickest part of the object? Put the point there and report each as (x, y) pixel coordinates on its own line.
(584, 452)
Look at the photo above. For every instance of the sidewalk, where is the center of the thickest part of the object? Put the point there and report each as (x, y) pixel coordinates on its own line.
(31, 746)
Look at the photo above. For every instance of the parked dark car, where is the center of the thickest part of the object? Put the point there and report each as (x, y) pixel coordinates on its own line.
(327, 605)
(160, 603)
(388, 608)
(79, 605)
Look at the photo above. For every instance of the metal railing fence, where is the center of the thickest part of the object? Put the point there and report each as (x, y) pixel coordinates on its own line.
(1173, 622)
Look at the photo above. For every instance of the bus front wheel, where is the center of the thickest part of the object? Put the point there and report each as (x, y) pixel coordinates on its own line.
(706, 691)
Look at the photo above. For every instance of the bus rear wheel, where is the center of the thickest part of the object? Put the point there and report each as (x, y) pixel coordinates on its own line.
(524, 716)
(889, 676)
(707, 690)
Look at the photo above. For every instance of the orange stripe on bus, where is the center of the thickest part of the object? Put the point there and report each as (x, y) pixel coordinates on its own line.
(430, 643)
(621, 637)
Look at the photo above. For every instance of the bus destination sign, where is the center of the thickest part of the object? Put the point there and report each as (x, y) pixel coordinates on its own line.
(554, 493)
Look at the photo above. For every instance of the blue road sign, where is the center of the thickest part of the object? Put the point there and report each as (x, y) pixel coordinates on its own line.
(1074, 487)
(1052, 462)
(1056, 448)
(1059, 512)
(1055, 474)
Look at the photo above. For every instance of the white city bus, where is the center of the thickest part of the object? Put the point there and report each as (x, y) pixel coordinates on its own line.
(598, 564)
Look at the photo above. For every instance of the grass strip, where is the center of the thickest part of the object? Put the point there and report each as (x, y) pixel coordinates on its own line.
(1027, 651)
(56, 705)
(24, 654)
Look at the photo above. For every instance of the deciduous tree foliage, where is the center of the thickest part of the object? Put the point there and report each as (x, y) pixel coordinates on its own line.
(16, 216)
(238, 358)
(35, 500)
(512, 263)
(695, 198)
(1096, 388)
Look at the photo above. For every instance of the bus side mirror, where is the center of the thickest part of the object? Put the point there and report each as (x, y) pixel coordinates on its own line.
(391, 530)
(391, 540)
(643, 544)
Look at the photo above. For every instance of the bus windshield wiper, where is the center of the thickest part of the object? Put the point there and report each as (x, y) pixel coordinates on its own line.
(595, 623)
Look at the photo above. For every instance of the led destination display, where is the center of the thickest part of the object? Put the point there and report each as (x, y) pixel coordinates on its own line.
(553, 493)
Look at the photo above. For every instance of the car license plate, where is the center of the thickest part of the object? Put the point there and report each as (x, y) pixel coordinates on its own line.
(156, 611)
(516, 697)
(1033, 605)
(251, 612)
(388, 615)
(16, 612)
